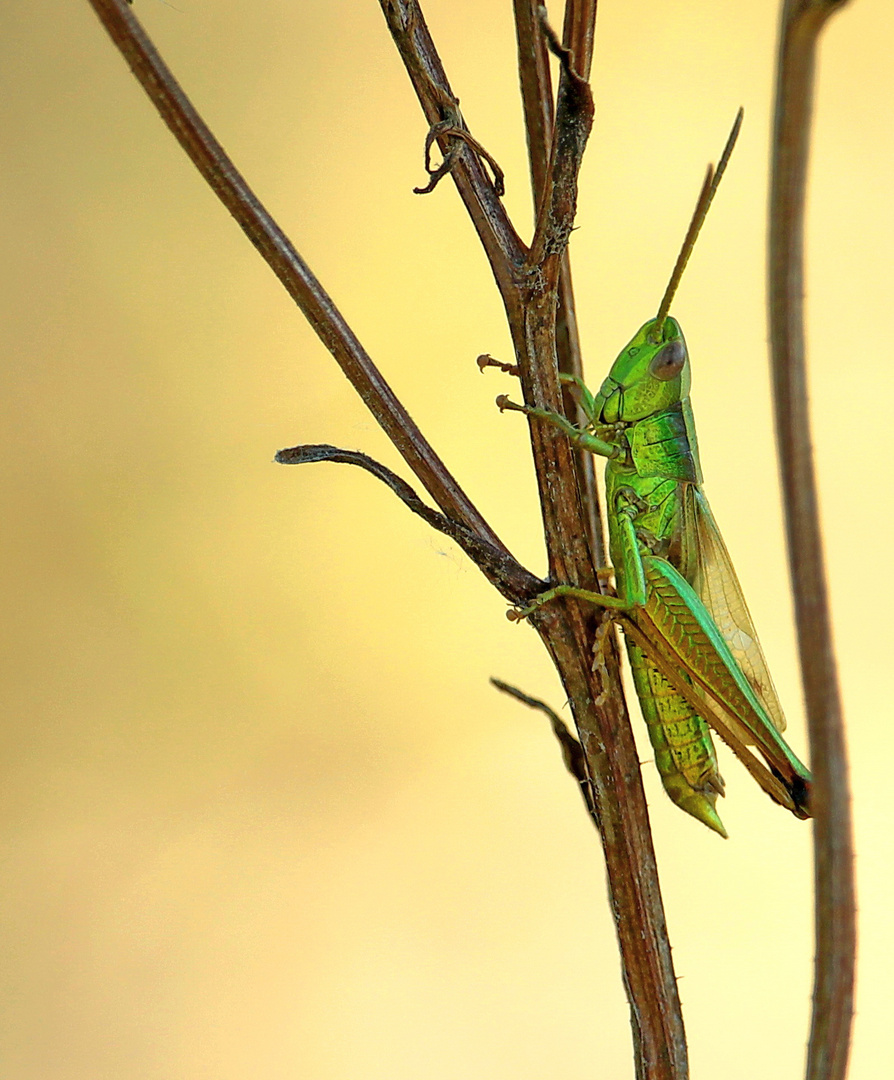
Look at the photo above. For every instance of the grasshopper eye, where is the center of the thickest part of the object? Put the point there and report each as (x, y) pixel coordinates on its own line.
(668, 362)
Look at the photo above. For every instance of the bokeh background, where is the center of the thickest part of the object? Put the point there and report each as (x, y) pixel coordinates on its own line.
(263, 815)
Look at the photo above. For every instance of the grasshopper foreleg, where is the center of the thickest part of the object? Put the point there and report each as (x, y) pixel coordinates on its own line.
(577, 436)
(631, 582)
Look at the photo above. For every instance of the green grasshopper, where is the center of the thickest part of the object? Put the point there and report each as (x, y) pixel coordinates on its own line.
(693, 650)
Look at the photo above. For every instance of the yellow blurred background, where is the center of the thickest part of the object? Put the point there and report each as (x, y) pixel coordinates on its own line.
(263, 815)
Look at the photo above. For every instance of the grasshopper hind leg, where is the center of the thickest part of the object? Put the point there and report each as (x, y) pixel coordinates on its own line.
(684, 750)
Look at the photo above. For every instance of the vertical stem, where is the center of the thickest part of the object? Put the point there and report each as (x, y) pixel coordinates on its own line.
(835, 906)
(544, 326)
(590, 673)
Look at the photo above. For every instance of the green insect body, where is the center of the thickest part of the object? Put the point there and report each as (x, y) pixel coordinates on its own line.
(684, 752)
(693, 650)
(696, 661)
(645, 483)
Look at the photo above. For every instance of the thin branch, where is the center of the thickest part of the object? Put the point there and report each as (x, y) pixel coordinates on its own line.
(536, 92)
(544, 331)
(532, 314)
(513, 581)
(835, 912)
(537, 102)
(574, 120)
(578, 37)
(578, 34)
(216, 167)
(552, 315)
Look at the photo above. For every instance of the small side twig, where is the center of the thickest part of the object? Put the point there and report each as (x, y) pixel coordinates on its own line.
(230, 186)
(513, 581)
(408, 28)
(572, 751)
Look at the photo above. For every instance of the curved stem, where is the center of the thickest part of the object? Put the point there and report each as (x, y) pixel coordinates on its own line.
(514, 582)
(835, 905)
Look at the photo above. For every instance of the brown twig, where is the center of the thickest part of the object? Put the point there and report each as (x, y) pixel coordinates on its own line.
(835, 904)
(529, 282)
(578, 32)
(515, 583)
(530, 292)
(571, 129)
(537, 102)
(225, 180)
(602, 720)
(572, 751)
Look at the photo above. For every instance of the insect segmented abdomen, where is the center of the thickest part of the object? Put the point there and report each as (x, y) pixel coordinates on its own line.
(684, 750)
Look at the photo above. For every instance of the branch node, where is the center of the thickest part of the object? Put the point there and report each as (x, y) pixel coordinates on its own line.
(451, 129)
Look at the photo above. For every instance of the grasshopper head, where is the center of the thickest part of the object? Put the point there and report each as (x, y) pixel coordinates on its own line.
(650, 375)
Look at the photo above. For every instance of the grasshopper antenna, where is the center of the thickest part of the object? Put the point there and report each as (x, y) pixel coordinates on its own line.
(709, 189)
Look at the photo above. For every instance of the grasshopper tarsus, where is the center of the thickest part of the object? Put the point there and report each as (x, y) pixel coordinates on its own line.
(485, 360)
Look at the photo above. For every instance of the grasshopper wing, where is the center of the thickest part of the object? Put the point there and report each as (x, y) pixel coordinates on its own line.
(676, 630)
(718, 588)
